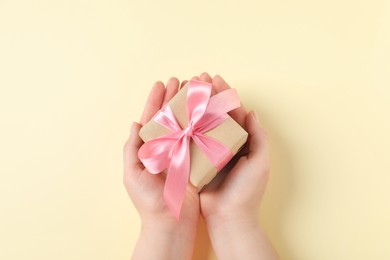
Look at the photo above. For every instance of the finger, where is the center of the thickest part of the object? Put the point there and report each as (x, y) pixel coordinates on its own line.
(132, 164)
(237, 114)
(205, 77)
(183, 83)
(153, 104)
(170, 90)
(258, 141)
(195, 78)
(219, 83)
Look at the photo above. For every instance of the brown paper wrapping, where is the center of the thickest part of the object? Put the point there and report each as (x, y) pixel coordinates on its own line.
(202, 171)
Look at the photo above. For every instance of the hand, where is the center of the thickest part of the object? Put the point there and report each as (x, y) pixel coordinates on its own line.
(240, 191)
(160, 230)
(230, 203)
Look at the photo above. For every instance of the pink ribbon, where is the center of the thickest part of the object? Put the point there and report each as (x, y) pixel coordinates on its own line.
(172, 151)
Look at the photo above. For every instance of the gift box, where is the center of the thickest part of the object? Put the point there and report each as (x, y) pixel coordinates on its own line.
(217, 134)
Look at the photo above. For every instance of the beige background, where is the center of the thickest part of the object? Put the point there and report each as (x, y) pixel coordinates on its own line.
(75, 74)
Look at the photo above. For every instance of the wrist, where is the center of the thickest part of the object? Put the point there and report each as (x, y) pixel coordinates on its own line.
(163, 238)
(238, 235)
(183, 229)
(239, 218)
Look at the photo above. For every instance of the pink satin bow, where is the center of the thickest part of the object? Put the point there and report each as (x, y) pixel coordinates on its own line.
(172, 151)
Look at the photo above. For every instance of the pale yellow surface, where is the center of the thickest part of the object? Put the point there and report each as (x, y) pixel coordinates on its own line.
(75, 74)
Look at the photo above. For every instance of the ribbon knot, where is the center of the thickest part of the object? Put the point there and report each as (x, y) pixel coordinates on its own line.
(188, 131)
(172, 151)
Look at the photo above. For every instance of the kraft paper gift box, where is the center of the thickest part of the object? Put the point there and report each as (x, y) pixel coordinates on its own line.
(202, 171)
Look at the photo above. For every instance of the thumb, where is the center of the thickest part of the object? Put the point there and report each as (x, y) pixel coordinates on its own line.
(132, 164)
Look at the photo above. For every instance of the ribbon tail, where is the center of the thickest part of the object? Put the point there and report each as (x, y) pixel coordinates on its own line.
(215, 151)
(178, 177)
